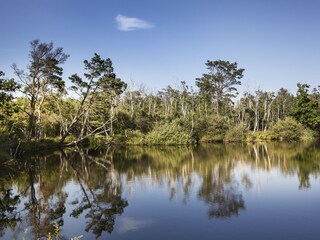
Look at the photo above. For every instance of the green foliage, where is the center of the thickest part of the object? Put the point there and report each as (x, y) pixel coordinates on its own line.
(259, 136)
(306, 109)
(34, 146)
(219, 83)
(282, 104)
(134, 137)
(5, 154)
(287, 129)
(236, 133)
(7, 87)
(308, 134)
(97, 93)
(44, 77)
(7, 106)
(95, 141)
(215, 129)
(100, 111)
(169, 134)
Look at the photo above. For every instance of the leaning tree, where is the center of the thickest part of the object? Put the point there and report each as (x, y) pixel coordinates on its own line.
(97, 95)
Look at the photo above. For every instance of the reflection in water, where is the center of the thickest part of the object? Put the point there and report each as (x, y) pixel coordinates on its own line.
(8, 210)
(131, 224)
(221, 194)
(100, 195)
(33, 193)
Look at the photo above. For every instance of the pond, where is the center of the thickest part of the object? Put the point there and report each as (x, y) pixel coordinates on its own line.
(213, 191)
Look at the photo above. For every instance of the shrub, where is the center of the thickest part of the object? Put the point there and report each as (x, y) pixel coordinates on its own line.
(216, 129)
(287, 129)
(129, 136)
(95, 141)
(308, 134)
(236, 134)
(170, 134)
(258, 136)
(134, 137)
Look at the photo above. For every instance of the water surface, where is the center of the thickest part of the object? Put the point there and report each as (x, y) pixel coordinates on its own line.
(216, 191)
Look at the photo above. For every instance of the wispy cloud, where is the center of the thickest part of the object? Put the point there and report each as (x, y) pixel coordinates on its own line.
(130, 24)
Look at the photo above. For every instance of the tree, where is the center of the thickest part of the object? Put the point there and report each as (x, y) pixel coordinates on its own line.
(219, 83)
(306, 108)
(282, 105)
(206, 92)
(7, 87)
(44, 76)
(97, 99)
(7, 106)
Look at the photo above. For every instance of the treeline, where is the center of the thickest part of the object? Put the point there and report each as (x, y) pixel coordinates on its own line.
(98, 107)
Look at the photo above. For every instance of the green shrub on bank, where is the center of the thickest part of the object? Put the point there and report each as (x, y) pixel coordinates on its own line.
(134, 137)
(236, 134)
(215, 129)
(95, 141)
(260, 136)
(308, 134)
(131, 137)
(169, 134)
(288, 129)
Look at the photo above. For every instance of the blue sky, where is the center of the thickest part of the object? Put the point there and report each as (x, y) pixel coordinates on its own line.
(163, 42)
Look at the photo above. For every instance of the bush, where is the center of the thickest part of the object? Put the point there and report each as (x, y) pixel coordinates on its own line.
(134, 137)
(236, 134)
(259, 136)
(287, 129)
(215, 130)
(170, 134)
(95, 141)
(308, 134)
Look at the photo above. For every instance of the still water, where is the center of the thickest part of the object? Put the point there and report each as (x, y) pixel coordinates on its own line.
(218, 191)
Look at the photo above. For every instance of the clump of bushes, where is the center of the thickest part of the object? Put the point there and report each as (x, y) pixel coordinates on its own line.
(236, 133)
(134, 137)
(129, 136)
(260, 136)
(170, 133)
(308, 134)
(288, 129)
(215, 129)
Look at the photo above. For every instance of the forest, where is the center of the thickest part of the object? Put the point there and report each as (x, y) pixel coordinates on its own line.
(38, 106)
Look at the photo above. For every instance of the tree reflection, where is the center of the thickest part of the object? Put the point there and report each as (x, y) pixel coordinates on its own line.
(8, 209)
(44, 201)
(308, 162)
(218, 174)
(100, 197)
(40, 182)
(221, 194)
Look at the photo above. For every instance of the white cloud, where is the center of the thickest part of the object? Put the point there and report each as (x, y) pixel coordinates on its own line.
(130, 24)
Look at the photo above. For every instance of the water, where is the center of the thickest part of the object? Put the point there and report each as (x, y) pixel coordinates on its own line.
(218, 191)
